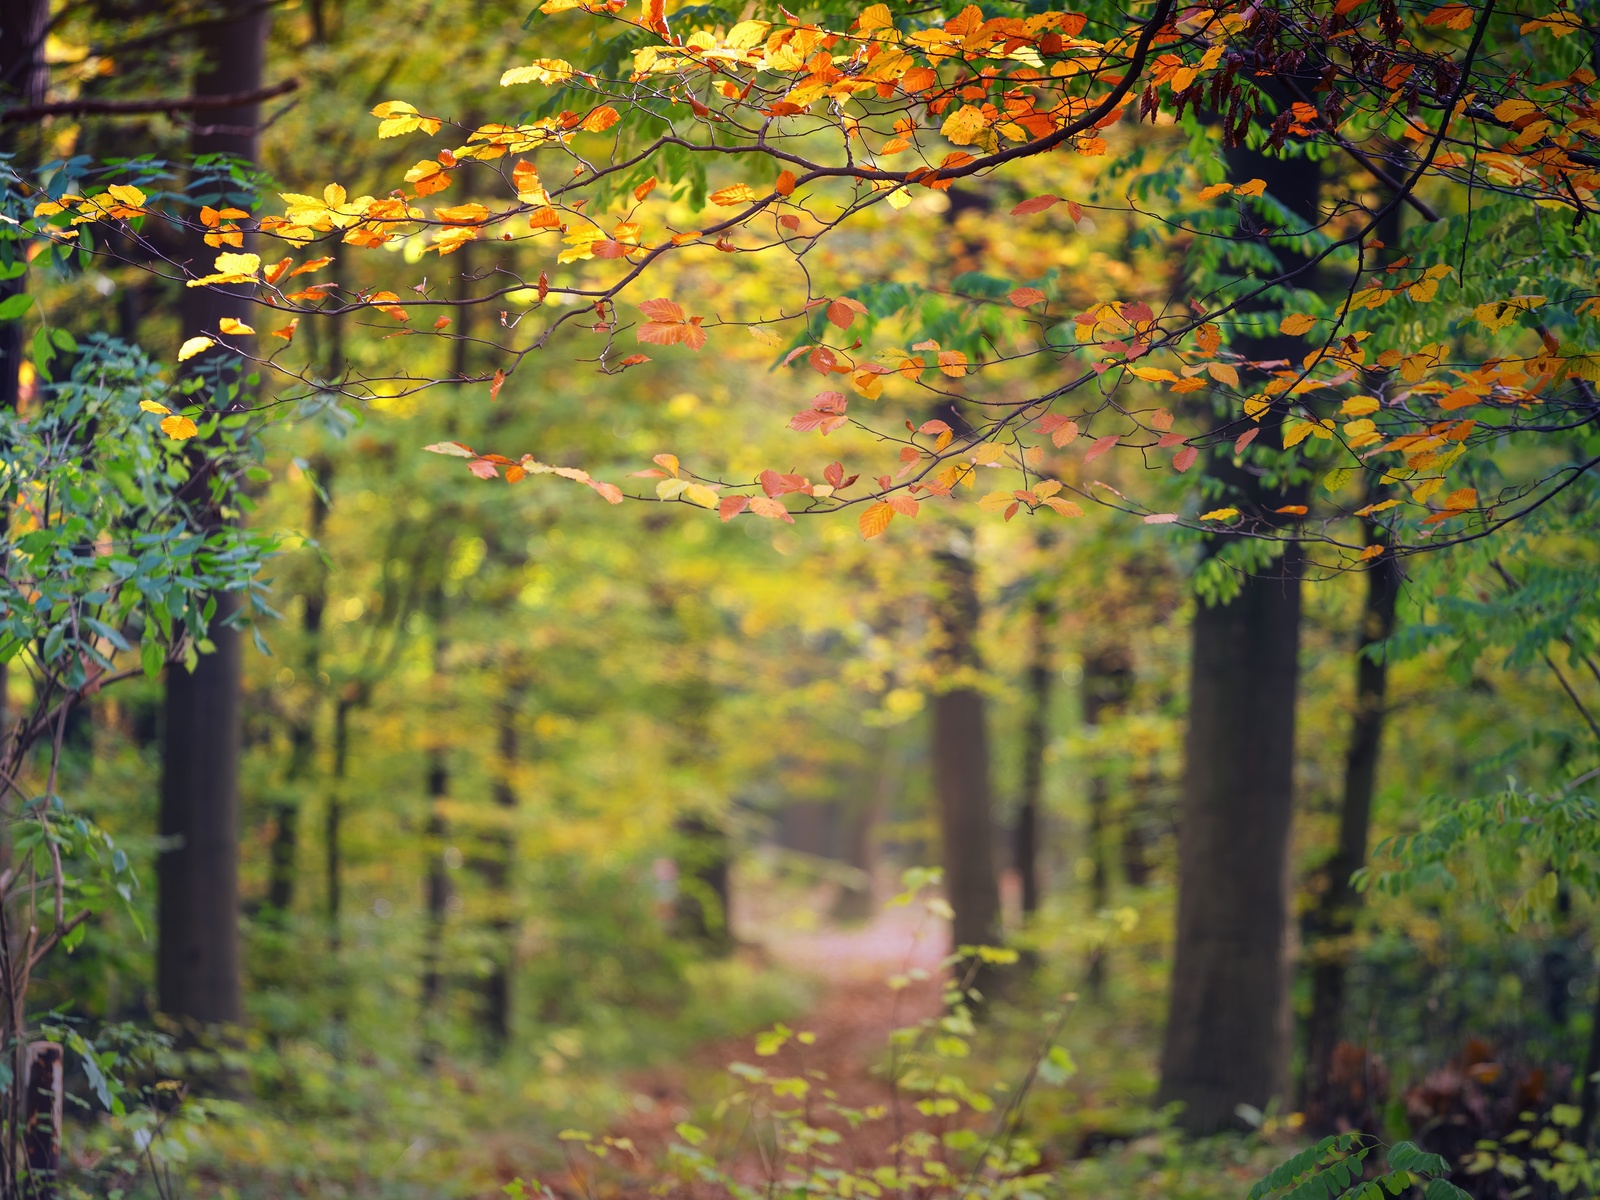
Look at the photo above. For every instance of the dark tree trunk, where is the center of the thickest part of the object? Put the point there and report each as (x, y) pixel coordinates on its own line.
(198, 959)
(24, 79)
(1330, 924)
(1107, 684)
(960, 757)
(495, 867)
(436, 895)
(1035, 741)
(1227, 1036)
(302, 724)
(704, 889)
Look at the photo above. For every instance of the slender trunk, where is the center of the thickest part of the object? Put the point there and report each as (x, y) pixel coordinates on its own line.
(24, 79)
(333, 861)
(1035, 741)
(961, 757)
(302, 727)
(436, 895)
(495, 868)
(1107, 684)
(198, 876)
(1227, 1035)
(1332, 921)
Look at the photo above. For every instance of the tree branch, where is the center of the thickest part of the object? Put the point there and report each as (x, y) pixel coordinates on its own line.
(133, 108)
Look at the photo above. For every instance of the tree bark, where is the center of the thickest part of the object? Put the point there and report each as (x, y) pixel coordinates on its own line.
(1227, 1036)
(1331, 923)
(198, 959)
(495, 868)
(1035, 741)
(961, 758)
(24, 79)
(436, 895)
(1107, 683)
(302, 724)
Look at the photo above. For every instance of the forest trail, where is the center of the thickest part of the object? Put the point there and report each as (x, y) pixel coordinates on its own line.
(852, 1015)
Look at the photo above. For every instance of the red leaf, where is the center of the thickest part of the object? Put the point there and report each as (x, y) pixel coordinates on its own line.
(1184, 459)
(483, 469)
(834, 474)
(1035, 204)
(497, 384)
(1101, 445)
(732, 506)
(1244, 439)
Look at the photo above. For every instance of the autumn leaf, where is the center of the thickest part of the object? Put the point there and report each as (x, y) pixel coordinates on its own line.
(194, 346)
(233, 326)
(151, 406)
(1035, 204)
(875, 519)
(1296, 324)
(453, 449)
(1220, 514)
(732, 506)
(601, 119)
(1209, 338)
(1101, 445)
(495, 384)
(843, 311)
(1025, 297)
(786, 183)
(734, 195)
(178, 428)
(1160, 518)
(771, 508)
(1294, 510)
(1184, 459)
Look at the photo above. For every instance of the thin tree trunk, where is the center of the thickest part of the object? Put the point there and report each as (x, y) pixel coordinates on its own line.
(198, 877)
(961, 758)
(24, 80)
(1035, 741)
(437, 898)
(1107, 684)
(495, 868)
(302, 728)
(1332, 922)
(1227, 1035)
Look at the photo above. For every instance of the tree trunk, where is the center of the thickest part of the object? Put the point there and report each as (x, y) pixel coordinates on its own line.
(495, 868)
(302, 726)
(437, 898)
(1331, 923)
(198, 959)
(961, 758)
(1227, 1036)
(1035, 741)
(24, 79)
(197, 927)
(1107, 684)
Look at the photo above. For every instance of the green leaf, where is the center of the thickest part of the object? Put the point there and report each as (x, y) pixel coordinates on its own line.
(12, 308)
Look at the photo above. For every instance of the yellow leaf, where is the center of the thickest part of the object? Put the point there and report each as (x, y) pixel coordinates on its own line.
(1359, 406)
(126, 193)
(875, 519)
(1295, 432)
(178, 428)
(195, 345)
(541, 70)
(1215, 190)
(734, 195)
(1497, 314)
(1462, 499)
(1255, 406)
(1297, 323)
(1220, 514)
(1223, 373)
(1371, 552)
(1254, 188)
(964, 126)
(233, 325)
(150, 406)
(1513, 110)
(699, 493)
(1427, 488)
(1065, 507)
(989, 452)
(997, 502)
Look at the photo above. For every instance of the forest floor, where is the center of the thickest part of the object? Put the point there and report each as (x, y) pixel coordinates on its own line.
(852, 1015)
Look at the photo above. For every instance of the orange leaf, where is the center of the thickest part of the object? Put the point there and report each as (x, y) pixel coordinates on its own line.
(1294, 510)
(733, 195)
(875, 519)
(765, 506)
(1035, 204)
(1184, 459)
(645, 188)
(601, 119)
(785, 184)
(495, 385)
(1025, 297)
(732, 506)
(1101, 445)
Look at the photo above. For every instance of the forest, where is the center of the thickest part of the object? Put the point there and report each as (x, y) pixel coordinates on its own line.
(910, 601)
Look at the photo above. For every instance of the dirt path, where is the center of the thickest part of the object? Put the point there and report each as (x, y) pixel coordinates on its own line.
(855, 1012)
